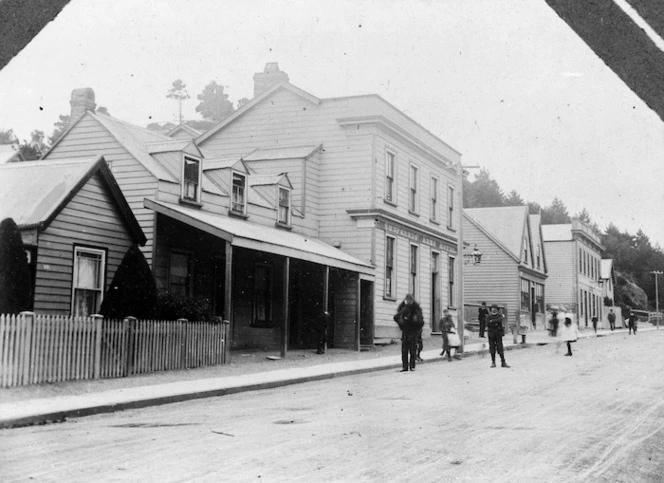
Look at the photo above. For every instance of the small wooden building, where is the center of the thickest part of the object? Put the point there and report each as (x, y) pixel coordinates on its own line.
(76, 226)
(513, 268)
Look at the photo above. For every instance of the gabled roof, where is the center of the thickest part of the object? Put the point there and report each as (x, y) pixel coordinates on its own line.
(164, 146)
(269, 179)
(34, 192)
(506, 224)
(210, 164)
(561, 232)
(186, 128)
(249, 105)
(293, 152)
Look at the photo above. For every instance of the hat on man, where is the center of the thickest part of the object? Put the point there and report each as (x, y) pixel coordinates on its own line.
(495, 306)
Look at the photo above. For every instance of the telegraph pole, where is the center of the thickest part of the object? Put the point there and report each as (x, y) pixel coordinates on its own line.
(656, 273)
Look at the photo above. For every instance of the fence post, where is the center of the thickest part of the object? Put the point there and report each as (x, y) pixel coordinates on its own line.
(131, 321)
(27, 320)
(97, 319)
(185, 340)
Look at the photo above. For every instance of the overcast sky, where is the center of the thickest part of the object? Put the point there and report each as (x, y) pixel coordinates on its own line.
(505, 82)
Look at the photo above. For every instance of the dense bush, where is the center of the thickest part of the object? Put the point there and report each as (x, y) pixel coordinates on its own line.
(15, 278)
(196, 309)
(133, 291)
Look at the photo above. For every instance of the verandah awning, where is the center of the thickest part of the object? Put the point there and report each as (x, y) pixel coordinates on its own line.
(263, 238)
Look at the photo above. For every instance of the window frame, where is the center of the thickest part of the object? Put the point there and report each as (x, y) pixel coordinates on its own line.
(389, 290)
(413, 269)
(390, 194)
(232, 208)
(266, 297)
(189, 283)
(433, 213)
(287, 222)
(75, 289)
(184, 183)
(413, 188)
(451, 281)
(526, 303)
(451, 207)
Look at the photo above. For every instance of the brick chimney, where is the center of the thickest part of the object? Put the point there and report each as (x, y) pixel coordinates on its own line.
(82, 100)
(270, 76)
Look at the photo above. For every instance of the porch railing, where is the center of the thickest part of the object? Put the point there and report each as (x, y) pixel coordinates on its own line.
(41, 348)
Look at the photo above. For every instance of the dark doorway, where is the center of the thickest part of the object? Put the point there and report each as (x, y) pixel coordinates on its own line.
(366, 312)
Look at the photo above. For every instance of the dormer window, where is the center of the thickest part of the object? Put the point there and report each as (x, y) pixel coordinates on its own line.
(525, 250)
(239, 200)
(191, 179)
(284, 206)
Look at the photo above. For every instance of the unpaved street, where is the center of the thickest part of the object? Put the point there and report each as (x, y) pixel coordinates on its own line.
(596, 416)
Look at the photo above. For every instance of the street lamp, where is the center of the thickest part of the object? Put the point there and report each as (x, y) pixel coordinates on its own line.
(655, 273)
(474, 257)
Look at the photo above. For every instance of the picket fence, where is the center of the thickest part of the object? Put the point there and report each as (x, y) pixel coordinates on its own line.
(41, 348)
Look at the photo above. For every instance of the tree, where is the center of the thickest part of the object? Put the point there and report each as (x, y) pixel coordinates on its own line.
(584, 216)
(178, 91)
(15, 277)
(514, 199)
(60, 127)
(556, 213)
(242, 102)
(35, 148)
(214, 104)
(7, 136)
(483, 192)
(133, 291)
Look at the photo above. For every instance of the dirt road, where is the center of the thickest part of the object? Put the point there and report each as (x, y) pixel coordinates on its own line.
(596, 416)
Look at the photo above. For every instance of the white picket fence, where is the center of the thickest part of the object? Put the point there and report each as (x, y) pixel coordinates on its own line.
(42, 348)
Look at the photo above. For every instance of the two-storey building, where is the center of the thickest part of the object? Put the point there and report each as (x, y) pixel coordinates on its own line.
(574, 253)
(367, 179)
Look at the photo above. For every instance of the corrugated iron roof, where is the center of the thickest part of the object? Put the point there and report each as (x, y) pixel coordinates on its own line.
(557, 232)
(9, 152)
(134, 139)
(265, 179)
(260, 237)
(292, 152)
(506, 223)
(31, 190)
(220, 163)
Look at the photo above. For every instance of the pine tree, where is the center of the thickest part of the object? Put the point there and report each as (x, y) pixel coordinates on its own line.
(15, 278)
(133, 291)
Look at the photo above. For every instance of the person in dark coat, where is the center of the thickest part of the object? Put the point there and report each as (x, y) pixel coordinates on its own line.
(612, 319)
(496, 331)
(446, 327)
(410, 320)
(554, 321)
(321, 331)
(483, 313)
(632, 322)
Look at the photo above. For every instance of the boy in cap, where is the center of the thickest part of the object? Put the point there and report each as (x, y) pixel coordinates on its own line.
(496, 332)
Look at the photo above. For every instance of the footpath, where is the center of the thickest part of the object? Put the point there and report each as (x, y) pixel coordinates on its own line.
(249, 371)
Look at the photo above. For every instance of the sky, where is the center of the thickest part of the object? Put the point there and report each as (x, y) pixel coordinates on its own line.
(505, 82)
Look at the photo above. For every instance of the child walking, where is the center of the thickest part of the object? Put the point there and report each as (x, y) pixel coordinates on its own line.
(569, 333)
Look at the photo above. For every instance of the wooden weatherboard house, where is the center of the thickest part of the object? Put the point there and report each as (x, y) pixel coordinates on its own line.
(513, 268)
(366, 179)
(574, 252)
(245, 238)
(76, 227)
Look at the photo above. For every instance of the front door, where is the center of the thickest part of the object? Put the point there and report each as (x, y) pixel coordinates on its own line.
(366, 312)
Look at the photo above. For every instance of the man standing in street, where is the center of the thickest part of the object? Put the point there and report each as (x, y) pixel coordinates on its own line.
(496, 331)
(482, 316)
(612, 319)
(321, 331)
(409, 318)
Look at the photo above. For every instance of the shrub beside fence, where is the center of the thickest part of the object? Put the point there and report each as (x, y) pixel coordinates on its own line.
(42, 348)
